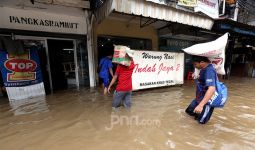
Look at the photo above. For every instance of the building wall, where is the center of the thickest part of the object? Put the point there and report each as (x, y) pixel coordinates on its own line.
(44, 6)
(120, 28)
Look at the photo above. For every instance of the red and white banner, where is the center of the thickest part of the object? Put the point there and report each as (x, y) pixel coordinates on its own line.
(157, 69)
(208, 7)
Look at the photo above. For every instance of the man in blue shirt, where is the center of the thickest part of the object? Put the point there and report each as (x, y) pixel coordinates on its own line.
(205, 89)
(106, 72)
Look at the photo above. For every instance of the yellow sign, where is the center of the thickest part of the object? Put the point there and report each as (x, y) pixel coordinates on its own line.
(187, 3)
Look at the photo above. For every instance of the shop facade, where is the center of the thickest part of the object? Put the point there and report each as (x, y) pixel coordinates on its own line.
(59, 39)
(140, 25)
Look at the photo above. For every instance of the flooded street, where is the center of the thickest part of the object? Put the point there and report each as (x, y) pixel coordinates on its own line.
(84, 119)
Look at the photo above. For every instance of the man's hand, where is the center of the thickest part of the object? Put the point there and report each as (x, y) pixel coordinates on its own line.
(198, 109)
(109, 89)
(111, 84)
(209, 93)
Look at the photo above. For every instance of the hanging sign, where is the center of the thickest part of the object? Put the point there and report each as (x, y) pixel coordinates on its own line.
(187, 3)
(20, 70)
(208, 7)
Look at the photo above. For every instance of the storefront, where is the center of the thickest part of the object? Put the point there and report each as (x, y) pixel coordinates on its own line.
(136, 24)
(60, 41)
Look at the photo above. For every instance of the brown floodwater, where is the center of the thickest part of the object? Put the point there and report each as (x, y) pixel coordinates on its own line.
(84, 119)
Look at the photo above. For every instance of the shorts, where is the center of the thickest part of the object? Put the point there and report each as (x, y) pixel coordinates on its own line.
(204, 116)
(105, 81)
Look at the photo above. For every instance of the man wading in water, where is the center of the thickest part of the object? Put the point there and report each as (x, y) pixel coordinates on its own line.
(205, 89)
(124, 87)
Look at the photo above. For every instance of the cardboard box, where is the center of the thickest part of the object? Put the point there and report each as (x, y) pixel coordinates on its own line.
(122, 55)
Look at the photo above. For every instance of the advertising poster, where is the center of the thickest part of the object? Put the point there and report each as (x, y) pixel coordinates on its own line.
(20, 70)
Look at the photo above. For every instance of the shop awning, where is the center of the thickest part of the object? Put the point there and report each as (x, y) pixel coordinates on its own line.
(234, 27)
(155, 11)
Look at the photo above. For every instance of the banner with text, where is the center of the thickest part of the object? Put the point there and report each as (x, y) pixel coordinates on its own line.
(208, 7)
(156, 69)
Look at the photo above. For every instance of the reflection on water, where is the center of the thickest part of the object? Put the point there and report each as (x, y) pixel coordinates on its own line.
(27, 106)
(81, 120)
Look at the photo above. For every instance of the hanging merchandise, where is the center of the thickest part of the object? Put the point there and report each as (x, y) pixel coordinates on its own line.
(13, 46)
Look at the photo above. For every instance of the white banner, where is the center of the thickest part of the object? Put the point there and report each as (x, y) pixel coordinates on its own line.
(208, 7)
(25, 92)
(156, 69)
(32, 20)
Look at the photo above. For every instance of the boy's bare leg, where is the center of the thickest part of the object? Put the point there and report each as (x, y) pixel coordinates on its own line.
(105, 91)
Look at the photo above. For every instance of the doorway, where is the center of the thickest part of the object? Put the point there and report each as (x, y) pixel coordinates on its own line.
(62, 64)
(59, 61)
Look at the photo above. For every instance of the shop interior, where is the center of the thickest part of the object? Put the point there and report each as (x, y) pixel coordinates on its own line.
(243, 62)
(105, 43)
(62, 64)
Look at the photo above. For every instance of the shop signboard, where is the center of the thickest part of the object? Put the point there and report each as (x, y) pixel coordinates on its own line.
(32, 20)
(187, 3)
(21, 74)
(157, 1)
(208, 7)
(177, 44)
(157, 69)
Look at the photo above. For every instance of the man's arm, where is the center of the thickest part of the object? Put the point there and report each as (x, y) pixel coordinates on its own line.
(111, 71)
(112, 82)
(110, 66)
(208, 95)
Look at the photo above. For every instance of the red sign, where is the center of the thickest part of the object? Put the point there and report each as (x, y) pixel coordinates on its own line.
(20, 65)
